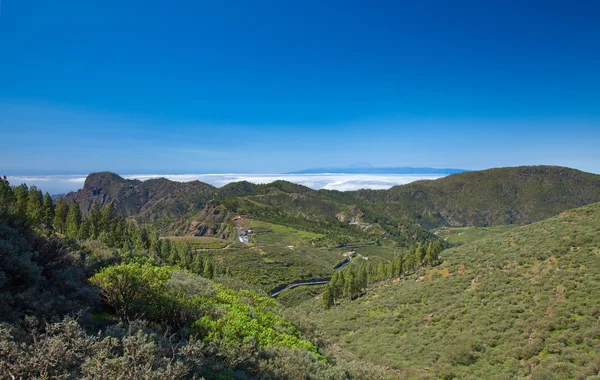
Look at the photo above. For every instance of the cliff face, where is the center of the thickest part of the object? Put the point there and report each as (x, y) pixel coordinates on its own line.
(147, 200)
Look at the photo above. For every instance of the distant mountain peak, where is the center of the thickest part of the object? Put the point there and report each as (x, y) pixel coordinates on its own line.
(365, 168)
(360, 165)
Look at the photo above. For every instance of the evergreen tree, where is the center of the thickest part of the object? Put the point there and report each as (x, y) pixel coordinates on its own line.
(94, 221)
(371, 273)
(121, 239)
(73, 220)
(184, 255)
(436, 249)
(20, 194)
(380, 271)
(197, 265)
(338, 284)
(208, 268)
(429, 254)
(34, 206)
(107, 238)
(410, 261)
(155, 243)
(328, 299)
(349, 283)
(107, 216)
(419, 254)
(60, 216)
(363, 278)
(142, 241)
(84, 229)
(6, 197)
(48, 207)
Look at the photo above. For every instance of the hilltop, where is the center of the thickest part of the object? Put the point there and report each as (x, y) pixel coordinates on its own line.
(518, 304)
(502, 196)
(367, 169)
(149, 200)
(515, 195)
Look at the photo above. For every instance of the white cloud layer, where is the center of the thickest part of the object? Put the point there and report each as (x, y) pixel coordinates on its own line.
(57, 184)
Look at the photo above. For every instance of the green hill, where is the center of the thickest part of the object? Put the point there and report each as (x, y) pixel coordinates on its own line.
(517, 195)
(148, 200)
(519, 304)
(503, 196)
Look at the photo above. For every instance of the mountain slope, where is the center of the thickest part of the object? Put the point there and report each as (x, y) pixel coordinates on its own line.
(523, 303)
(384, 170)
(148, 200)
(517, 195)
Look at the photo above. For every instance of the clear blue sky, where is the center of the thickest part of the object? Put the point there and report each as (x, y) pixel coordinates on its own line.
(223, 86)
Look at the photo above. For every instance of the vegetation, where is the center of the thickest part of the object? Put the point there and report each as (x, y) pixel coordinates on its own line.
(503, 196)
(134, 317)
(518, 195)
(353, 281)
(518, 304)
(130, 279)
(462, 235)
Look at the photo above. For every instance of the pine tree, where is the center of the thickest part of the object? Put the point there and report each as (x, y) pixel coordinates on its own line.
(185, 255)
(20, 194)
(6, 197)
(84, 229)
(419, 254)
(94, 221)
(208, 268)
(436, 249)
(155, 243)
(165, 250)
(60, 216)
(142, 241)
(197, 265)
(340, 283)
(371, 273)
(410, 261)
(363, 278)
(34, 206)
(107, 217)
(380, 271)
(429, 254)
(349, 283)
(121, 233)
(48, 207)
(73, 220)
(328, 299)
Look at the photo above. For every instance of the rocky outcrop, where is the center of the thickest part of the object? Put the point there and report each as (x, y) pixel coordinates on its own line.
(147, 200)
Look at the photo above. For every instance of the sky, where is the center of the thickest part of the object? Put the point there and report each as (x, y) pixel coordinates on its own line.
(278, 86)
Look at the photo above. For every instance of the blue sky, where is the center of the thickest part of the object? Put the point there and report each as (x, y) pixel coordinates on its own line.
(266, 87)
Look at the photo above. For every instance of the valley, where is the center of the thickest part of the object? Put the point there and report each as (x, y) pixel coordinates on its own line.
(427, 280)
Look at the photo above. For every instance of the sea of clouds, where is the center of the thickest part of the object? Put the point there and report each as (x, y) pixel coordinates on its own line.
(59, 184)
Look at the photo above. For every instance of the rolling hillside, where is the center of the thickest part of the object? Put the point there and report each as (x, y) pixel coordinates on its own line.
(514, 305)
(517, 195)
(502, 196)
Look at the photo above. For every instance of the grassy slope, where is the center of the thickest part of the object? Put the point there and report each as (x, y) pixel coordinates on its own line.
(461, 235)
(525, 304)
(517, 195)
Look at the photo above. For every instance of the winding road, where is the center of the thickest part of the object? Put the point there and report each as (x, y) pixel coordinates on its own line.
(319, 281)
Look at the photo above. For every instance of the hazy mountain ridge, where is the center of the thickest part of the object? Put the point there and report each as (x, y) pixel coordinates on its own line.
(149, 200)
(517, 195)
(382, 170)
